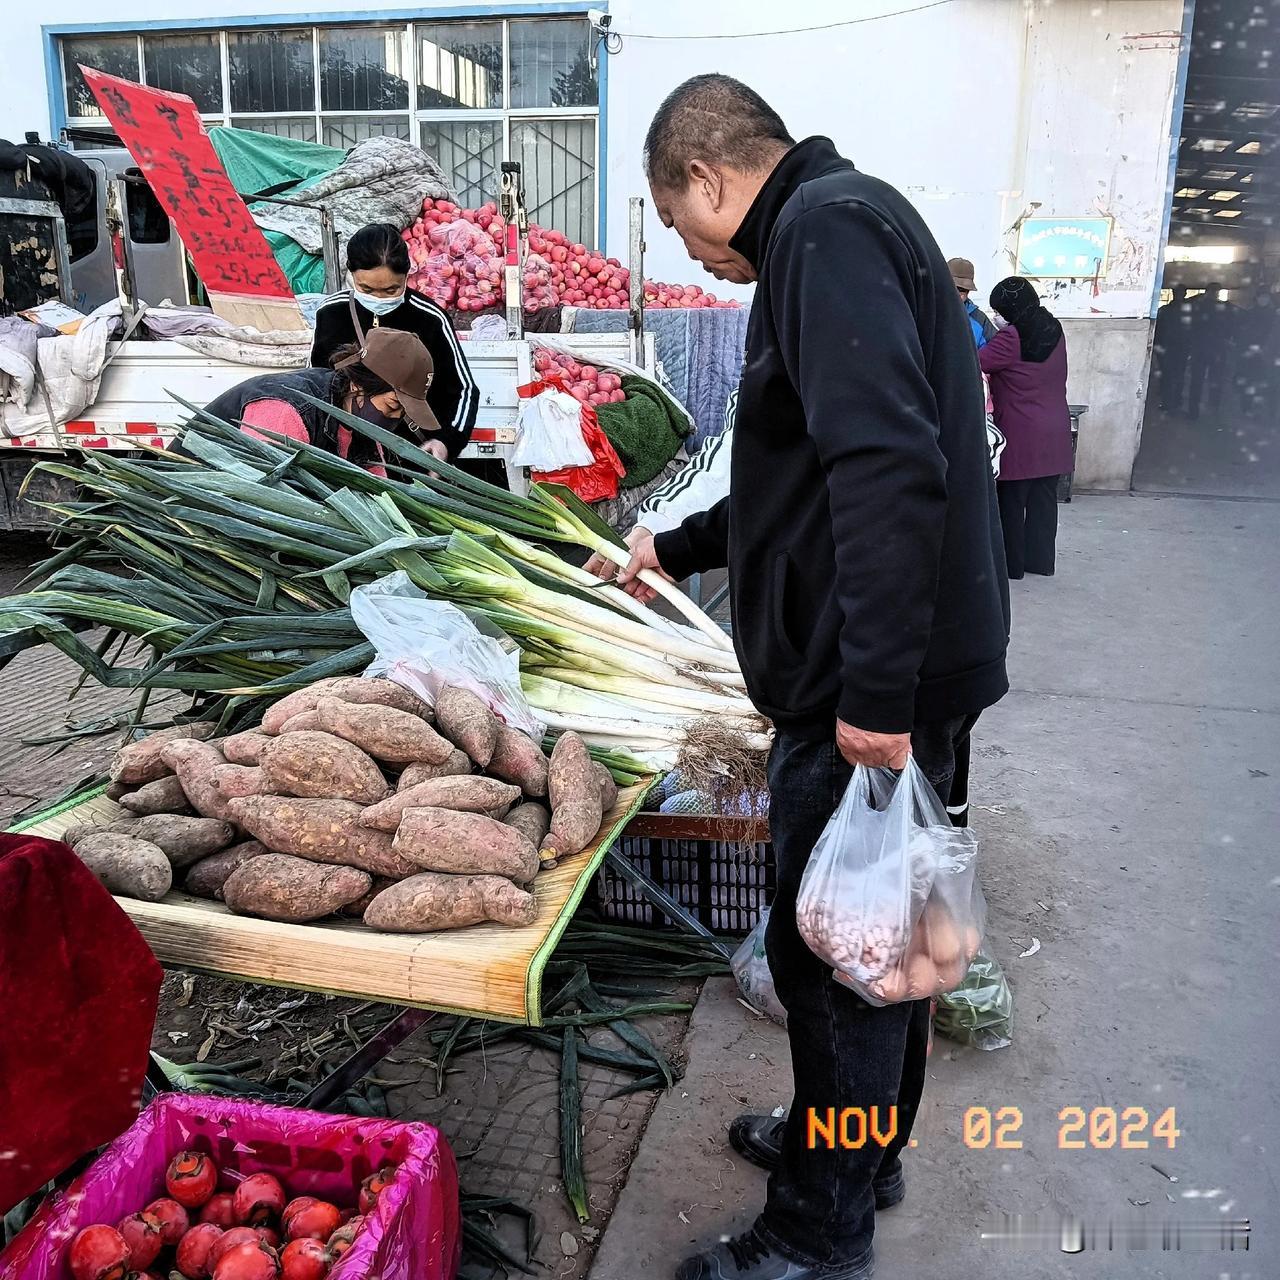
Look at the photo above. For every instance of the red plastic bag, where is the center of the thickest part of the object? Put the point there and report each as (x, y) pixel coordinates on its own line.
(599, 481)
(413, 1232)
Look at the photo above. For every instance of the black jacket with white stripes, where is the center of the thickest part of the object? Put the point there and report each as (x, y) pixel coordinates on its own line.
(453, 394)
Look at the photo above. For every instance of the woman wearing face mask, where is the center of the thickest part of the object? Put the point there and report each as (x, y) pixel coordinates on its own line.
(385, 382)
(378, 266)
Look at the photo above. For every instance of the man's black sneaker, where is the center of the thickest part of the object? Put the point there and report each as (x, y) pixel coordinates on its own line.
(759, 1139)
(748, 1257)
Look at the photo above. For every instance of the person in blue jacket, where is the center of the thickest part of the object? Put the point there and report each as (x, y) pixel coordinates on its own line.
(962, 273)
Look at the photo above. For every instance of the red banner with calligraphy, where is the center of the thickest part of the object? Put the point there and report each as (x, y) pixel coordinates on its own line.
(165, 135)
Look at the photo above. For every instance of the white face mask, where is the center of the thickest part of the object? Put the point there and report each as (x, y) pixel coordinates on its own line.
(378, 306)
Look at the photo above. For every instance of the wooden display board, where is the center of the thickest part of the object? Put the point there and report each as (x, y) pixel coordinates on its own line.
(485, 970)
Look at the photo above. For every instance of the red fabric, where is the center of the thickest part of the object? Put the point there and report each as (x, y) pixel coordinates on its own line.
(274, 415)
(78, 990)
(280, 416)
(594, 483)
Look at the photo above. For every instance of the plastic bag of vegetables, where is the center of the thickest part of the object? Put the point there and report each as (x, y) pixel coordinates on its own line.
(426, 644)
(890, 898)
(980, 1010)
(750, 967)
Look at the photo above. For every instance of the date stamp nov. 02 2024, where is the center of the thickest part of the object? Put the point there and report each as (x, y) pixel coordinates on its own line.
(1000, 1129)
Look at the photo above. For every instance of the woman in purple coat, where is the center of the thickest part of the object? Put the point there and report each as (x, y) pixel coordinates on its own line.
(1026, 363)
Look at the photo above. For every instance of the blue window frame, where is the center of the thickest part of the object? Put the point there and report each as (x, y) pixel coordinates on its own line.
(473, 86)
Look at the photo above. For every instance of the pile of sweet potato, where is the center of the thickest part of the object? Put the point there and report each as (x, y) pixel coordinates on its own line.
(351, 797)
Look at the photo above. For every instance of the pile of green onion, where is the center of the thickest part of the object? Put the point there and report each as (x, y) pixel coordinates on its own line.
(234, 561)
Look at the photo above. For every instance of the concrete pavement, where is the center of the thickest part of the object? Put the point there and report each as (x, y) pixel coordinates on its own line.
(1127, 791)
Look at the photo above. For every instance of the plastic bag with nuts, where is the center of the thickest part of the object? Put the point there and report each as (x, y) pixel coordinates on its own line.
(890, 898)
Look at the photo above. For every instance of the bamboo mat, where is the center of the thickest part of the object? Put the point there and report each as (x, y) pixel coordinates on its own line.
(485, 970)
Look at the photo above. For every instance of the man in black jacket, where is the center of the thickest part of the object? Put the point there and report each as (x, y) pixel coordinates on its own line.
(870, 607)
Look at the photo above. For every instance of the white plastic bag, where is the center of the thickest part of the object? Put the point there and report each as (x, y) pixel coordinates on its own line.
(750, 967)
(549, 432)
(426, 644)
(890, 898)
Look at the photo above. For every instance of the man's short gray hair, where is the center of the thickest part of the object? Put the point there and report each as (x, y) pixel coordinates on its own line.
(713, 118)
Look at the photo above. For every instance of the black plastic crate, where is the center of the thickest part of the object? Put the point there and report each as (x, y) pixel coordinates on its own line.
(718, 869)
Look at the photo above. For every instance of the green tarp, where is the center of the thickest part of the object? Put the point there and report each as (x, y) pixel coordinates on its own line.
(255, 161)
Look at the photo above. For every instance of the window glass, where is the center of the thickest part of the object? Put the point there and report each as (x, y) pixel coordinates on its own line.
(550, 64)
(459, 65)
(116, 55)
(148, 222)
(558, 164)
(190, 64)
(364, 69)
(470, 153)
(300, 128)
(346, 131)
(271, 71)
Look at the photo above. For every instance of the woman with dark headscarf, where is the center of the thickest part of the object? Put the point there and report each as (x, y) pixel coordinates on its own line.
(1026, 363)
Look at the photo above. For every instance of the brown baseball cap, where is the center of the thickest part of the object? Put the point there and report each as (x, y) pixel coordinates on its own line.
(400, 359)
(962, 273)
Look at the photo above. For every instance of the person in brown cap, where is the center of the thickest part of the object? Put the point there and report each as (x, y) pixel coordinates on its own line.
(962, 273)
(383, 380)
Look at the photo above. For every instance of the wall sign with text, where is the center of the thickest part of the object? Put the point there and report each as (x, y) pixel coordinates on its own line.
(1063, 247)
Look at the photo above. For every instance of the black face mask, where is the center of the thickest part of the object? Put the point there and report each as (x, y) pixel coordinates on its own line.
(370, 412)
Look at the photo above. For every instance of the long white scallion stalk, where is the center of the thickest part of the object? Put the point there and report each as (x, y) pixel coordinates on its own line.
(667, 590)
(707, 701)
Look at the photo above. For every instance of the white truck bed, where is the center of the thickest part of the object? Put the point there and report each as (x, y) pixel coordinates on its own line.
(133, 407)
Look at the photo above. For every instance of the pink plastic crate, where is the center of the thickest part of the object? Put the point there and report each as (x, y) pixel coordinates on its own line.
(413, 1234)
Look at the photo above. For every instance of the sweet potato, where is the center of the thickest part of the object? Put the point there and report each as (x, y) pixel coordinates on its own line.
(117, 789)
(322, 766)
(303, 722)
(517, 758)
(571, 771)
(184, 840)
(242, 780)
(574, 825)
(531, 819)
(292, 704)
(429, 901)
(80, 830)
(608, 787)
(472, 794)
(140, 762)
(164, 795)
(321, 831)
(245, 748)
(384, 732)
(577, 802)
(355, 910)
(377, 691)
(467, 722)
(129, 867)
(277, 886)
(194, 763)
(464, 844)
(455, 765)
(206, 877)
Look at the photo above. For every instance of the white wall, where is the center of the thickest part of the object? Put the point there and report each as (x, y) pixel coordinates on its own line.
(975, 110)
(978, 111)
